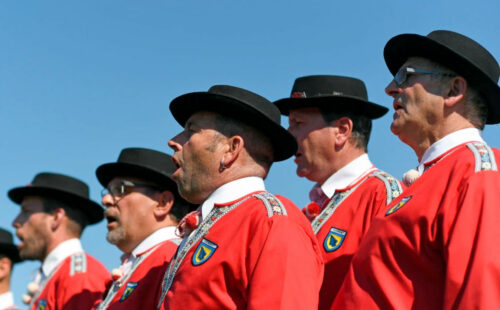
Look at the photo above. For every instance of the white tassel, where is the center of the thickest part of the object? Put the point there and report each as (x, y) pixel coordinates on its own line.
(26, 299)
(116, 274)
(410, 177)
(32, 288)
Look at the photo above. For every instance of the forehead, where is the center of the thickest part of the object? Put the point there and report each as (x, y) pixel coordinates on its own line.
(202, 119)
(418, 62)
(304, 112)
(118, 180)
(32, 202)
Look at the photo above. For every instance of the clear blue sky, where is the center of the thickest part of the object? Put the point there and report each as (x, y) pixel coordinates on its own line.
(80, 80)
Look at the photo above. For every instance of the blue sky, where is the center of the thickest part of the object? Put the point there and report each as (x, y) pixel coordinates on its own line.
(79, 81)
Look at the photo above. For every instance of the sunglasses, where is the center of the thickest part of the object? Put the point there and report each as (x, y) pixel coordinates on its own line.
(403, 73)
(123, 188)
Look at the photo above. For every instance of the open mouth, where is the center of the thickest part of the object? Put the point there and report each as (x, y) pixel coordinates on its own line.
(397, 105)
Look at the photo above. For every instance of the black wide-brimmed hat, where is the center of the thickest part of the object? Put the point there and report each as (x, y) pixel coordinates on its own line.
(242, 105)
(455, 51)
(146, 164)
(7, 246)
(338, 93)
(61, 187)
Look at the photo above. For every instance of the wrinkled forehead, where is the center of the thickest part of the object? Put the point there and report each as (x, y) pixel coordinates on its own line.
(303, 112)
(423, 63)
(118, 180)
(203, 119)
(32, 202)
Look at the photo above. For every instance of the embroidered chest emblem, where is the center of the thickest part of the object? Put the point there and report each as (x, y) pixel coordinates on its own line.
(334, 239)
(129, 289)
(398, 206)
(204, 251)
(42, 305)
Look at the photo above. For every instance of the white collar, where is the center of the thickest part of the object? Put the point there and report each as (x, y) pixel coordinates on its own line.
(232, 191)
(6, 300)
(448, 142)
(162, 234)
(60, 253)
(347, 175)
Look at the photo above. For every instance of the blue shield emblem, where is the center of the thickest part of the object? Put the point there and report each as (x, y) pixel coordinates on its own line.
(129, 289)
(398, 206)
(334, 239)
(204, 251)
(42, 305)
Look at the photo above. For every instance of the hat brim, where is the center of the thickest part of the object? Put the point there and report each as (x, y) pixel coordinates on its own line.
(92, 210)
(339, 103)
(105, 173)
(182, 107)
(11, 251)
(401, 47)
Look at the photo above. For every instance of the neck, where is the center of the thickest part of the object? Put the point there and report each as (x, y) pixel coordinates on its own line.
(4, 286)
(342, 159)
(448, 127)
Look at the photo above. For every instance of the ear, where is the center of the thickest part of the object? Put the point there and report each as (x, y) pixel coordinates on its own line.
(165, 203)
(344, 127)
(235, 146)
(56, 218)
(456, 92)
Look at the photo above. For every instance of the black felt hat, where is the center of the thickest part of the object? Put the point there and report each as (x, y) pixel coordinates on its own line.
(61, 187)
(455, 51)
(141, 163)
(7, 246)
(338, 93)
(240, 104)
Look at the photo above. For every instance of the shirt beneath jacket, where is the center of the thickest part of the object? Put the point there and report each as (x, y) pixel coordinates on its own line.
(7, 301)
(157, 237)
(246, 254)
(365, 191)
(436, 246)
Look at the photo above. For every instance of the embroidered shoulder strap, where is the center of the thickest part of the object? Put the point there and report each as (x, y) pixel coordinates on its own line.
(78, 263)
(485, 159)
(392, 186)
(273, 204)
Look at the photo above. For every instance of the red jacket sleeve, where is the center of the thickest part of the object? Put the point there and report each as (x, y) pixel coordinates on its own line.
(471, 235)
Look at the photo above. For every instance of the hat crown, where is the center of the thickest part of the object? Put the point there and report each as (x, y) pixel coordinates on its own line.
(147, 158)
(258, 102)
(469, 49)
(328, 86)
(61, 182)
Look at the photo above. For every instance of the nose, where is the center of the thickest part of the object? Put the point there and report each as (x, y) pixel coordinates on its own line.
(392, 89)
(107, 200)
(17, 222)
(175, 143)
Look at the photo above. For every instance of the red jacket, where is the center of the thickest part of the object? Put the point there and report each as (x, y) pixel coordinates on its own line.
(436, 246)
(76, 284)
(253, 257)
(341, 234)
(141, 289)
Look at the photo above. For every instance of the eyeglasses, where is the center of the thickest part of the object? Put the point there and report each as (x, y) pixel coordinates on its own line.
(122, 188)
(403, 74)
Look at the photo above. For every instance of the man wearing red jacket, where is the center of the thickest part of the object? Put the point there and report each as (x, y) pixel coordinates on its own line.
(54, 211)
(436, 245)
(143, 208)
(244, 248)
(331, 118)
